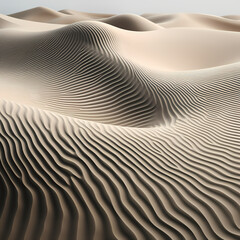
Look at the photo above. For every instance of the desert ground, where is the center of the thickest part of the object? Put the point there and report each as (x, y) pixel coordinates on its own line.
(119, 126)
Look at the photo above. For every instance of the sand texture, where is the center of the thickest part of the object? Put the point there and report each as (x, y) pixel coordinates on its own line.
(119, 126)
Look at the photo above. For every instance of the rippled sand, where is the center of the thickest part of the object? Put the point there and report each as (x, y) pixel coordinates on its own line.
(119, 126)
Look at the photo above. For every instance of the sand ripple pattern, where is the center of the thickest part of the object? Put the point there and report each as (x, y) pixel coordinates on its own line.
(83, 76)
(109, 149)
(63, 178)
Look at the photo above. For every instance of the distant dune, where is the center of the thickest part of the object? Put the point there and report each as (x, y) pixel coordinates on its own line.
(119, 126)
(195, 21)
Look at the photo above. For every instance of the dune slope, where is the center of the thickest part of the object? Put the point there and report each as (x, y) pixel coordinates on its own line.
(125, 127)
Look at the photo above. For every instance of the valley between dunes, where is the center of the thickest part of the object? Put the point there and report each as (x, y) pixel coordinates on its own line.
(119, 126)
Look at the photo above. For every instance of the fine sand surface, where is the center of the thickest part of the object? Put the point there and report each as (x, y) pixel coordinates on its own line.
(119, 126)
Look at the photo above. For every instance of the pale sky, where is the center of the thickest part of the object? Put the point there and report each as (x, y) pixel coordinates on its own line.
(215, 7)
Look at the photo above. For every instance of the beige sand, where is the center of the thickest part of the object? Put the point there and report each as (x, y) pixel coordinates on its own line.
(195, 21)
(119, 126)
(42, 14)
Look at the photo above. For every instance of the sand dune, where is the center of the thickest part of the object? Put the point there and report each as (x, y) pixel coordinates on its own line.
(119, 127)
(125, 21)
(234, 17)
(195, 21)
(42, 14)
(38, 14)
(86, 15)
(7, 22)
(131, 22)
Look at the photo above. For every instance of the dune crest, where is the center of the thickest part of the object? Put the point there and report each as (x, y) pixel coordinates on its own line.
(86, 14)
(119, 126)
(8, 22)
(195, 21)
(38, 14)
(131, 22)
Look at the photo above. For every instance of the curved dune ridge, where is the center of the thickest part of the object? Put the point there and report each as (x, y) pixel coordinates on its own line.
(42, 14)
(227, 23)
(119, 126)
(131, 22)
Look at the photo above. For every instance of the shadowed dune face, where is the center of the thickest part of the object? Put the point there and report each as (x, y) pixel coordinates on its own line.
(6, 24)
(125, 127)
(131, 22)
(97, 87)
